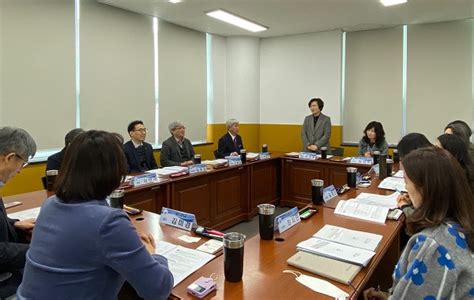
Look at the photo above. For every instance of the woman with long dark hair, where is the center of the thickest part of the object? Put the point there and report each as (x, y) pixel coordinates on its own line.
(373, 140)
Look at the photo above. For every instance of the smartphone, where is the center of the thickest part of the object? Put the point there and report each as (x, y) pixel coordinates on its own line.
(132, 210)
(307, 212)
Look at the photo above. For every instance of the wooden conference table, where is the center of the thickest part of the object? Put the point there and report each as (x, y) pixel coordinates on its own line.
(264, 261)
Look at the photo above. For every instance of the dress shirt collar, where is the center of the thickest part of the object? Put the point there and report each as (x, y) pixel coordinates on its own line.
(180, 142)
(136, 144)
(232, 136)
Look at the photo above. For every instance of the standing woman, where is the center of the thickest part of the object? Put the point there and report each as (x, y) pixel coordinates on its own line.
(81, 247)
(438, 261)
(373, 140)
(316, 129)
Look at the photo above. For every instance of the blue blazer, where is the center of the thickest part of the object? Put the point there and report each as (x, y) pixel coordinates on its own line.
(227, 146)
(86, 251)
(54, 161)
(132, 157)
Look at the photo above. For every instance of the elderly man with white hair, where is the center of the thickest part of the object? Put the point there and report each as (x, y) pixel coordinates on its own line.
(176, 150)
(16, 147)
(231, 142)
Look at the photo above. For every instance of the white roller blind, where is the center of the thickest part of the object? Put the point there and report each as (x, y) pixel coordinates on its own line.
(117, 77)
(373, 82)
(439, 81)
(37, 68)
(182, 80)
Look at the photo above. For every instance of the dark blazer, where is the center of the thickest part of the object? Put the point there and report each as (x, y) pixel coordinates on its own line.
(12, 252)
(132, 157)
(171, 154)
(227, 146)
(55, 160)
(316, 135)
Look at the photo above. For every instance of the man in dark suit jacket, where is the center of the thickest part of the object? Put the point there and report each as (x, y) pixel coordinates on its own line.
(16, 147)
(231, 143)
(316, 129)
(54, 161)
(139, 154)
(176, 150)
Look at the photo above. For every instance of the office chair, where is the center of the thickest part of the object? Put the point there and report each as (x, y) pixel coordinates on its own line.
(337, 151)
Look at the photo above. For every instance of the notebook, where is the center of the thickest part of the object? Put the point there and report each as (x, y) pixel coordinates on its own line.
(333, 269)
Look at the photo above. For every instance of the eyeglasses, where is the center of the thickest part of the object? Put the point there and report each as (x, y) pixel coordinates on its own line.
(142, 130)
(25, 160)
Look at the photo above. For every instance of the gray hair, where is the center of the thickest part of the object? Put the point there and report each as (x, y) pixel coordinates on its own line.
(231, 122)
(175, 124)
(16, 140)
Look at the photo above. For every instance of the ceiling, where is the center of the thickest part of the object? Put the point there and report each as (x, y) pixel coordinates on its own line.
(285, 17)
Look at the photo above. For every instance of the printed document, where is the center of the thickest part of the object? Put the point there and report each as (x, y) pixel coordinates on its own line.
(359, 239)
(389, 201)
(393, 183)
(31, 213)
(362, 211)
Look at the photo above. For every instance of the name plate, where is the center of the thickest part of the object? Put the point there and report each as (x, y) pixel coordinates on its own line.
(199, 168)
(362, 160)
(234, 160)
(177, 219)
(287, 220)
(329, 193)
(264, 155)
(308, 155)
(143, 179)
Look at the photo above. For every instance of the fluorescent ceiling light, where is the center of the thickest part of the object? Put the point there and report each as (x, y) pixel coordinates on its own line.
(392, 2)
(235, 20)
(175, 1)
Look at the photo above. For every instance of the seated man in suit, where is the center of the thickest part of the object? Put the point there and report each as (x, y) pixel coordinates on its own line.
(176, 150)
(316, 129)
(231, 142)
(54, 161)
(139, 154)
(16, 147)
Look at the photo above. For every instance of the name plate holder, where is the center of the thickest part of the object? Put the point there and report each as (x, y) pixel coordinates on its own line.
(144, 179)
(178, 219)
(362, 160)
(308, 156)
(263, 155)
(329, 193)
(198, 168)
(234, 160)
(287, 220)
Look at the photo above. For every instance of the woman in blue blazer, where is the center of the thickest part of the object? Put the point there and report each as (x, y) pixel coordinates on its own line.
(82, 248)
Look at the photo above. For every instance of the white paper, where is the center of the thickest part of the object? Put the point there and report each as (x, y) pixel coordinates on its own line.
(212, 246)
(360, 239)
(399, 174)
(292, 154)
(162, 247)
(251, 155)
(189, 239)
(393, 183)
(215, 162)
(183, 261)
(31, 213)
(362, 211)
(389, 201)
(337, 251)
(167, 171)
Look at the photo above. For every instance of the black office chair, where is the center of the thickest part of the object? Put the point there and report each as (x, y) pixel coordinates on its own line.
(44, 181)
(216, 155)
(337, 151)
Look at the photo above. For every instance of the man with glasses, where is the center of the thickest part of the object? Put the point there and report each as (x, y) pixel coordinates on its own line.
(177, 150)
(139, 154)
(16, 147)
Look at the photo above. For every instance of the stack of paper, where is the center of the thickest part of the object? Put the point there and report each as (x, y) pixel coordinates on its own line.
(31, 213)
(167, 171)
(393, 183)
(182, 261)
(343, 244)
(389, 201)
(215, 162)
(292, 154)
(362, 211)
(252, 156)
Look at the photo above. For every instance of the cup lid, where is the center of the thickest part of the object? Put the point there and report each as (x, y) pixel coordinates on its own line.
(117, 194)
(377, 152)
(317, 182)
(51, 172)
(266, 209)
(351, 169)
(324, 148)
(234, 240)
(243, 151)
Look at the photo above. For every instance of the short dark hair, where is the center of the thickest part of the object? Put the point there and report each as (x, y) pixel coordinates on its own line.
(71, 135)
(379, 132)
(93, 166)
(410, 142)
(445, 191)
(131, 126)
(457, 147)
(317, 100)
(461, 129)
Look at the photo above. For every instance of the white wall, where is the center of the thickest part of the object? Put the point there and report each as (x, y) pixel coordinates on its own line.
(296, 68)
(242, 82)
(219, 70)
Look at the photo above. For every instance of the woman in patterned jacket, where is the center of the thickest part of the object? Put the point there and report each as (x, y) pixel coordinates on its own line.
(438, 261)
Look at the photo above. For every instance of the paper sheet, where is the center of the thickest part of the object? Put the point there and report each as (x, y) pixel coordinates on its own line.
(362, 211)
(399, 174)
(31, 213)
(393, 183)
(359, 239)
(389, 201)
